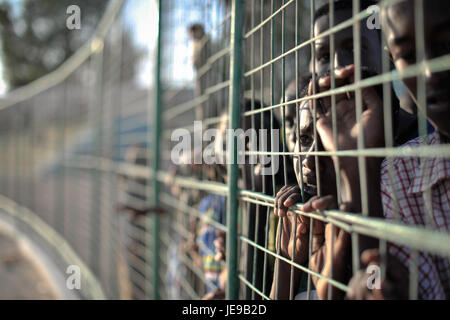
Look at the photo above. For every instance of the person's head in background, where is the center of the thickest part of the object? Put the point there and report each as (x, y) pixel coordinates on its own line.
(196, 31)
(399, 25)
(343, 40)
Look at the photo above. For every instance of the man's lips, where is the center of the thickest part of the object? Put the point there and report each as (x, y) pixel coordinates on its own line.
(310, 178)
(312, 190)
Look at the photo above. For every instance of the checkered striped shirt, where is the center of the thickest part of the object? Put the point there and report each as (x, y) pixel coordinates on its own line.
(412, 183)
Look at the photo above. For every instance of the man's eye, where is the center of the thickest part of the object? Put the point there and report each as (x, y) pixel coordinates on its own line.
(325, 57)
(289, 122)
(305, 140)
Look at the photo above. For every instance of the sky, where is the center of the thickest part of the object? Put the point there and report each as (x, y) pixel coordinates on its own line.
(144, 30)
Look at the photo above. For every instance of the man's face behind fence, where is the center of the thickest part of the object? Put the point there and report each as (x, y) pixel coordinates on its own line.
(343, 39)
(399, 27)
(307, 143)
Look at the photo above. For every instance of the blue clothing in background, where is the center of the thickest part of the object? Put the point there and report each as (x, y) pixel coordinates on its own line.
(213, 207)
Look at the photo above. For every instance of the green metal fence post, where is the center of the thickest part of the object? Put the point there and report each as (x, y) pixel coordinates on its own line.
(233, 171)
(155, 119)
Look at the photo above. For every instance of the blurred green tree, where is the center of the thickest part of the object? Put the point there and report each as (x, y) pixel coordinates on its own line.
(35, 39)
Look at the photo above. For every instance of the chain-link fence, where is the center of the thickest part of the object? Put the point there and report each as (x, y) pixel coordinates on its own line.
(142, 187)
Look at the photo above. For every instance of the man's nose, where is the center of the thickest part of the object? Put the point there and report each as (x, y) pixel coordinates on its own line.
(309, 161)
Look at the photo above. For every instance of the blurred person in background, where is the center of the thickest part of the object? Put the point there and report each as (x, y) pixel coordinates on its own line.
(201, 51)
(132, 208)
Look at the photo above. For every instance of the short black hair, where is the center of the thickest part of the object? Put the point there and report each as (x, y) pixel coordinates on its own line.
(342, 5)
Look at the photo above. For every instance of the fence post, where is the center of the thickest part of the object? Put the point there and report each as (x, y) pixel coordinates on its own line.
(155, 132)
(233, 170)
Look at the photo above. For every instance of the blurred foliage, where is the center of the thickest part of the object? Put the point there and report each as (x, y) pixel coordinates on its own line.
(36, 41)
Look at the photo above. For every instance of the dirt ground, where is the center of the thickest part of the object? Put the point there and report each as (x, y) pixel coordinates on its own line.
(20, 277)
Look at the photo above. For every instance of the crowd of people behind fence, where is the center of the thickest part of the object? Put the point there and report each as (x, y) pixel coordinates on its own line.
(403, 193)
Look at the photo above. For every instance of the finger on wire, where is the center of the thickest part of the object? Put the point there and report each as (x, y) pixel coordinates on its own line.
(371, 256)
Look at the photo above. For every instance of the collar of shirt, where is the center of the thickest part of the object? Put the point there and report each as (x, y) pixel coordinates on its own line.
(431, 170)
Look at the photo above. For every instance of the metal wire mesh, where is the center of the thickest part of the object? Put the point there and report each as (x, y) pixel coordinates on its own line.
(89, 155)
